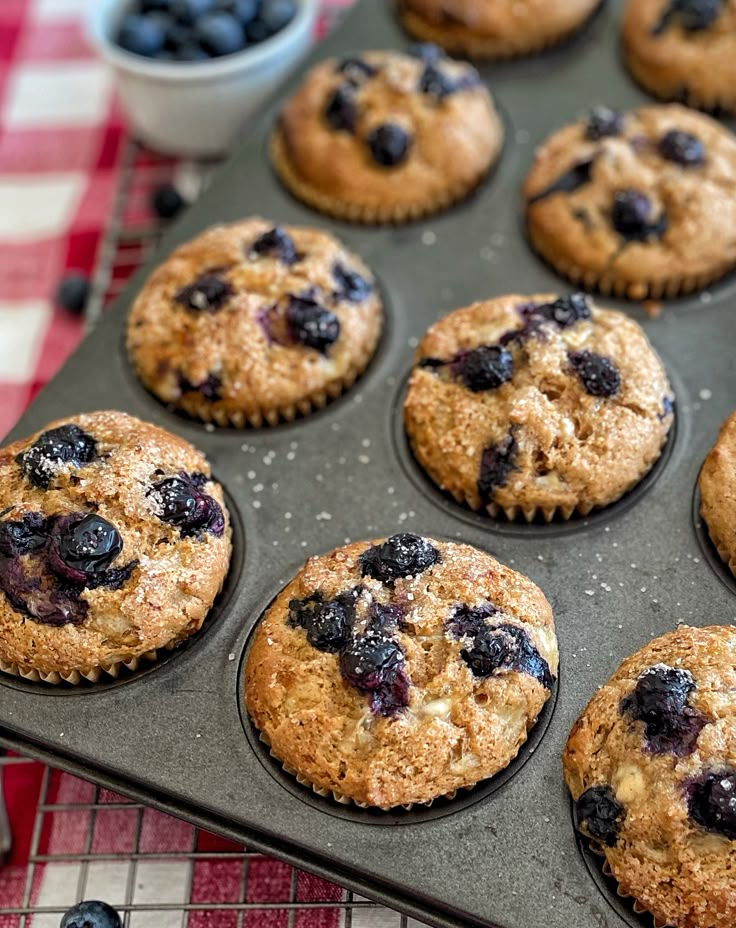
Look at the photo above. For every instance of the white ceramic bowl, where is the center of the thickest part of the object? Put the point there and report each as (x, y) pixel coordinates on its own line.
(197, 109)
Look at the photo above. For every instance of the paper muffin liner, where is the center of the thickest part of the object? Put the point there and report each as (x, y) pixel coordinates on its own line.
(388, 213)
(471, 45)
(726, 555)
(637, 906)
(344, 800)
(611, 285)
(699, 98)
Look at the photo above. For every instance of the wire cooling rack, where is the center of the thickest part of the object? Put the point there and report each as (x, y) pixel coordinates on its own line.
(87, 842)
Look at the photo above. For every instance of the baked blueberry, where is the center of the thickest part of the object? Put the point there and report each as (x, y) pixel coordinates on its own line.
(82, 546)
(436, 83)
(403, 555)
(351, 286)
(27, 534)
(356, 70)
(389, 144)
(180, 501)
(52, 450)
(496, 463)
(374, 663)
(91, 915)
(573, 179)
(712, 803)
(692, 15)
(341, 111)
(311, 324)
(682, 148)
(660, 699)
(276, 243)
(467, 621)
(564, 311)
(327, 624)
(141, 35)
(427, 52)
(484, 368)
(208, 293)
(603, 122)
(599, 815)
(598, 374)
(632, 216)
(210, 388)
(505, 648)
(668, 407)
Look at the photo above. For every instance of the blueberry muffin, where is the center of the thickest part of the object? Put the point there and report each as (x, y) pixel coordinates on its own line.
(717, 485)
(394, 672)
(114, 543)
(651, 765)
(252, 323)
(386, 137)
(641, 204)
(537, 406)
(492, 29)
(683, 50)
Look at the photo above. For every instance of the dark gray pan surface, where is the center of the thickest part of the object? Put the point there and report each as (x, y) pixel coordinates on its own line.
(504, 855)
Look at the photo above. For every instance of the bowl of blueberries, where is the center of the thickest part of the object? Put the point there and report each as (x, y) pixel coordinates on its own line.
(191, 72)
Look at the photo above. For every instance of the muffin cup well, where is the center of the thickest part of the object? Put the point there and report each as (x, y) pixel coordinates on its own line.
(697, 98)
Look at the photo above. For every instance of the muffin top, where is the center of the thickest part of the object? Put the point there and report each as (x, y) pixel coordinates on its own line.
(637, 203)
(114, 541)
(252, 321)
(537, 404)
(387, 136)
(651, 763)
(717, 484)
(397, 671)
(684, 47)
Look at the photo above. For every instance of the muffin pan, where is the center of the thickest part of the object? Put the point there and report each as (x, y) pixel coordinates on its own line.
(505, 854)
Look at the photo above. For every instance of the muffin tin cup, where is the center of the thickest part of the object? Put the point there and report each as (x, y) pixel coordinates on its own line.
(175, 734)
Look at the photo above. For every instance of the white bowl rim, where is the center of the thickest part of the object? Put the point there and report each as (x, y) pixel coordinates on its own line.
(194, 71)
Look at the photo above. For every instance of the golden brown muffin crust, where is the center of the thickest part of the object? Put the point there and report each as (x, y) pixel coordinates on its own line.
(573, 450)
(717, 484)
(177, 578)
(457, 729)
(678, 870)
(261, 372)
(574, 232)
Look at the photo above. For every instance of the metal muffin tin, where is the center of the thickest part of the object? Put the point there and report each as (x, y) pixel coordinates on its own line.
(176, 736)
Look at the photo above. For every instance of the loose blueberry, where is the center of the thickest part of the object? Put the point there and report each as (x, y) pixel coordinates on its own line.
(154, 6)
(167, 202)
(188, 12)
(389, 144)
(181, 502)
(436, 83)
(496, 463)
(141, 35)
(573, 179)
(276, 244)
(505, 648)
(467, 621)
(661, 700)
(341, 111)
(276, 14)
(631, 216)
(602, 123)
(403, 555)
(712, 803)
(72, 294)
(83, 547)
(351, 286)
(599, 815)
(208, 293)
(191, 51)
(209, 388)
(52, 450)
(311, 324)
(598, 374)
(23, 536)
(484, 368)
(245, 11)
(219, 34)
(682, 148)
(91, 915)
(356, 70)
(374, 663)
(692, 15)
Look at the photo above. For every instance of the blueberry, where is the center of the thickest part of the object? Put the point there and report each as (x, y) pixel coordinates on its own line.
(484, 368)
(167, 202)
(661, 700)
(603, 122)
(275, 243)
(154, 6)
(219, 34)
(311, 324)
(341, 111)
(427, 52)
(668, 407)
(599, 815)
(404, 555)
(276, 14)
(565, 311)
(355, 70)
(692, 15)
(467, 621)
(91, 915)
(189, 11)
(327, 624)
(207, 293)
(351, 286)
(682, 148)
(631, 216)
(191, 51)
(245, 11)
(385, 616)
(374, 663)
(210, 388)
(72, 294)
(389, 144)
(496, 463)
(505, 648)
(67, 444)
(712, 803)
(598, 374)
(436, 83)
(141, 35)
(85, 546)
(23, 536)
(568, 182)
(180, 501)
(431, 363)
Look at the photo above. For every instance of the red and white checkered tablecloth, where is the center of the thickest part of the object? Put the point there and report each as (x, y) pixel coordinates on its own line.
(61, 137)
